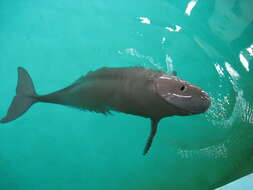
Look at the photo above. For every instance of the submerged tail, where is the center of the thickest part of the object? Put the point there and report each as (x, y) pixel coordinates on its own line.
(24, 99)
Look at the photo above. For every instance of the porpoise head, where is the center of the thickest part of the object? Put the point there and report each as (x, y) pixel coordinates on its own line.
(186, 98)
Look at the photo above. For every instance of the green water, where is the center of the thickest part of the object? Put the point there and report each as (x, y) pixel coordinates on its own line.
(54, 147)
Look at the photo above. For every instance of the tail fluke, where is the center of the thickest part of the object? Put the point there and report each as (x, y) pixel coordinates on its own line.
(24, 99)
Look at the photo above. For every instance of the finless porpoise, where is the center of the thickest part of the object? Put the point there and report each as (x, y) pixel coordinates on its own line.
(133, 90)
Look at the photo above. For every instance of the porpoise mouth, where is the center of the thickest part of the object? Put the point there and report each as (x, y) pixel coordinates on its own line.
(201, 107)
(189, 105)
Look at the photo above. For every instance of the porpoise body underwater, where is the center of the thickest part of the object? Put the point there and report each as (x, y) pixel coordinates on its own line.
(133, 90)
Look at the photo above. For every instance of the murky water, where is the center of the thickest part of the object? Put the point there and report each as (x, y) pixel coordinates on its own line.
(208, 43)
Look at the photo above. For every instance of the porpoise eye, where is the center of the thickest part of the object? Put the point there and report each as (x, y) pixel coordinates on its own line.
(183, 88)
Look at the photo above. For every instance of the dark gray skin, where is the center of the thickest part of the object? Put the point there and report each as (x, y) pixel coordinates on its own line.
(133, 90)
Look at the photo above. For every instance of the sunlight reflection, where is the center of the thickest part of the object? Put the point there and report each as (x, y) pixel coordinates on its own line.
(233, 73)
(190, 6)
(145, 20)
(177, 28)
(163, 40)
(219, 69)
(244, 61)
(250, 50)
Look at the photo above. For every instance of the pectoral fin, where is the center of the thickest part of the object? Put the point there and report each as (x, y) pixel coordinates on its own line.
(154, 124)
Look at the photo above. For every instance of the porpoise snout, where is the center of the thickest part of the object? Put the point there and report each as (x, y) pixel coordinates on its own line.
(204, 103)
(196, 104)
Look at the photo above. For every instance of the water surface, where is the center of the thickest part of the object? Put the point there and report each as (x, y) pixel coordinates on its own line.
(208, 43)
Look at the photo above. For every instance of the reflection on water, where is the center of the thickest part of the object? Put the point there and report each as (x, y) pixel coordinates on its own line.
(190, 6)
(176, 28)
(244, 62)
